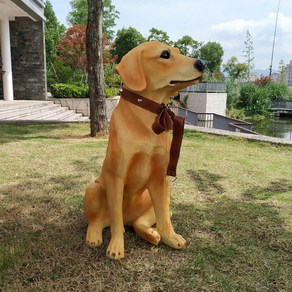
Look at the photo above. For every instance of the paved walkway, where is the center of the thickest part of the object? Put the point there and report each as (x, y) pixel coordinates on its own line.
(264, 138)
(8, 114)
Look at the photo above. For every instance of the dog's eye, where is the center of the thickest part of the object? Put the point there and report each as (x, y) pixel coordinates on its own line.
(165, 55)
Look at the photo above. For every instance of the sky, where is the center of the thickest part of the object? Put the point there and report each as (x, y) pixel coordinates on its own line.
(225, 22)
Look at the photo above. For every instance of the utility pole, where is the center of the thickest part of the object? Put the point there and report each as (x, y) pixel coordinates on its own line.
(273, 47)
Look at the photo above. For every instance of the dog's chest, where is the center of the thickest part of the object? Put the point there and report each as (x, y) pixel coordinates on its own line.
(143, 166)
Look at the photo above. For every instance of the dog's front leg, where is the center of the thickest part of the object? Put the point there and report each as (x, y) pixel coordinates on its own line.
(160, 195)
(114, 193)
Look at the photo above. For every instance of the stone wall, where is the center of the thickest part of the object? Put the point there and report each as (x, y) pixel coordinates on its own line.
(28, 59)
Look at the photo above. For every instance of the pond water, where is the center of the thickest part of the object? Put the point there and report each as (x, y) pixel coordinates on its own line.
(280, 127)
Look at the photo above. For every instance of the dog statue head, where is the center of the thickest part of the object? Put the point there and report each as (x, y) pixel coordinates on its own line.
(156, 68)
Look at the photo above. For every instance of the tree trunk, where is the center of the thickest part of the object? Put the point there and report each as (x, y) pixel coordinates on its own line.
(98, 118)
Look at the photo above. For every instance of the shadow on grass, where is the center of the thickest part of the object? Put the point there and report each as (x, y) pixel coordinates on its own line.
(274, 188)
(206, 182)
(233, 246)
(21, 132)
(243, 245)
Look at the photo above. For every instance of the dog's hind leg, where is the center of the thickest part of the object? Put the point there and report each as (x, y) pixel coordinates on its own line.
(143, 226)
(96, 212)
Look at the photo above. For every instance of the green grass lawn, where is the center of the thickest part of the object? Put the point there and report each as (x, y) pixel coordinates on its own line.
(231, 200)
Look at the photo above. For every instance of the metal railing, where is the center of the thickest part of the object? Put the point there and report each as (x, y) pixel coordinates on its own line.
(282, 105)
(215, 87)
(212, 120)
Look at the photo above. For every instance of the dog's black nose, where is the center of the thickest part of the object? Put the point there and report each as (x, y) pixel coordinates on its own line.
(200, 65)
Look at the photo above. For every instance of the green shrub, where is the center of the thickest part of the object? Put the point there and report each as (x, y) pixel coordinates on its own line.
(111, 92)
(232, 90)
(59, 72)
(253, 99)
(61, 90)
(277, 91)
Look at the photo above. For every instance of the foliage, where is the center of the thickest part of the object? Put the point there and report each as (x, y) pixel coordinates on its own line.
(159, 35)
(277, 91)
(61, 90)
(212, 54)
(188, 46)
(69, 90)
(53, 30)
(111, 78)
(72, 47)
(253, 99)
(216, 76)
(232, 90)
(79, 15)
(256, 97)
(59, 72)
(264, 80)
(235, 69)
(248, 53)
(282, 71)
(126, 40)
(112, 81)
(111, 91)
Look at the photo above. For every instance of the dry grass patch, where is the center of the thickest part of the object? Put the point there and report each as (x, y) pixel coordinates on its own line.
(231, 200)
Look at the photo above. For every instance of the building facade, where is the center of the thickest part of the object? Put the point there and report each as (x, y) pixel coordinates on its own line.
(289, 74)
(22, 50)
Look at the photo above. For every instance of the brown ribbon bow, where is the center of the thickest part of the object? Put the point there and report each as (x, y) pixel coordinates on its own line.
(166, 120)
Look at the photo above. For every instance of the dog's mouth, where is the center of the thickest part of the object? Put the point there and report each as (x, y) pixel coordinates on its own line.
(174, 82)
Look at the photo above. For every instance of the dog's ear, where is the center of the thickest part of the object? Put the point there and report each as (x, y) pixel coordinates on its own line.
(131, 71)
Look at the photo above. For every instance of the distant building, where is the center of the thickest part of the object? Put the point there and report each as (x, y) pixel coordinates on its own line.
(22, 50)
(275, 76)
(289, 74)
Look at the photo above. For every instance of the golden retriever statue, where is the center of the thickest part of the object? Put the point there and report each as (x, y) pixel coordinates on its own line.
(132, 188)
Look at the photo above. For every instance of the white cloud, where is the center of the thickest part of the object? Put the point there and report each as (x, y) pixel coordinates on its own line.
(237, 26)
(232, 35)
(284, 23)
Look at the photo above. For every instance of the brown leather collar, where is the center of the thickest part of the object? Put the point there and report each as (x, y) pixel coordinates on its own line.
(165, 120)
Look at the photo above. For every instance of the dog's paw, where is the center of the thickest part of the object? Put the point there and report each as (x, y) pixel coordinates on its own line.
(93, 237)
(115, 249)
(152, 236)
(175, 241)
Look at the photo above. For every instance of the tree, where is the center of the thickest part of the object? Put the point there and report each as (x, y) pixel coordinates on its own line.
(234, 69)
(282, 71)
(248, 53)
(188, 46)
(253, 99)
(126, 40)
(79, 15)
(212, 54)
(98, 117)
(72, 48)
(53, 30)
(159, 35)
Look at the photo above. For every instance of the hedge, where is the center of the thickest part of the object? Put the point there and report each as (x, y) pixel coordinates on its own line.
(61, 90)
